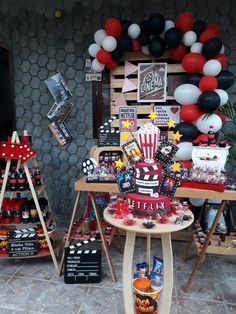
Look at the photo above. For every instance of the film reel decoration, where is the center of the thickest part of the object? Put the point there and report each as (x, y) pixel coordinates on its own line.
(88, 166)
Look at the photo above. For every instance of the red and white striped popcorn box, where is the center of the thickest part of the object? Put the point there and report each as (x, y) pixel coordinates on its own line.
(148, 136)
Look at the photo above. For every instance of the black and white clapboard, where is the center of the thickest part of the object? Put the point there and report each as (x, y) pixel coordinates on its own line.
(83, 262)
(108, 136)
(23, 242)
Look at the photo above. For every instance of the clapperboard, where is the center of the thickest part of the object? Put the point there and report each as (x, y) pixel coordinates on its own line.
(83, 262)
(108, 136)
(147, 180)
(23, 242)
(61, 132)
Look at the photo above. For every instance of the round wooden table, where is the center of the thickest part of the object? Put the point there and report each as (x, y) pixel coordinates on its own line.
(165, 231)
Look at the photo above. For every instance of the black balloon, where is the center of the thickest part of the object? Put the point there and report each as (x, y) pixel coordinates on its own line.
(144, 38)
(212, 47)
(173, 37)
(124, 43)
(194, 78)
(199, 27)
(144, 26)
(125, 25)
(157, 47)
(225, 79)
(156, 24)
(209, 101)
(188, 131)
(116, 54)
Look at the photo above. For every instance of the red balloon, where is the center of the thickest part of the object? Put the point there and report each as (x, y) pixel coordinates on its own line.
(193, 62)
(221, 57)
(113, 27)
(136, 46)
(190, 113)
(184, 22)
(179, 52)
(214, 28)
(111, 65)
(202, 137)
(103, 56)
(207, 34)
(208, 82)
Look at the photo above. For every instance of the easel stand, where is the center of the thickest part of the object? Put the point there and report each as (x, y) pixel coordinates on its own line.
(35, 192)
(80, 186)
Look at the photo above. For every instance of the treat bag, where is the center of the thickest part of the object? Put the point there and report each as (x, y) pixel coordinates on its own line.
(148, 136)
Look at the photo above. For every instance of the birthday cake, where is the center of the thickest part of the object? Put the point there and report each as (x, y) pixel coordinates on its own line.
(146, 199)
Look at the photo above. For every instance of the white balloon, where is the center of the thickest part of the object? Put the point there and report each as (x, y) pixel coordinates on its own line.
(109, 43)
(205, 120)
(189, 38)
(212, 67)
(224, 97)
(99, 36)
(213, 201)
(134, 31)
(145, 50)
(197, 202)
(168, 25)
(93, 49)
(97, 66)
(197, 47)
(184, 152)
(187, 94)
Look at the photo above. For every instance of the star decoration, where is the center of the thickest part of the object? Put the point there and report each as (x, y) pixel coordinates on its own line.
(171, 124)
(176, 166)
(126, 124)
(124, 136)
(119, 163)
(153, 115)
(177, 136)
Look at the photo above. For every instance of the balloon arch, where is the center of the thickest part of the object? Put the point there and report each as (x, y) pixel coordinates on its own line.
(195, 44)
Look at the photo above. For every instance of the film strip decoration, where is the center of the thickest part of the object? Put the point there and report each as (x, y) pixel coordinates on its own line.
(83, 262)
(61, 132)
(23, 242)
(107, 135)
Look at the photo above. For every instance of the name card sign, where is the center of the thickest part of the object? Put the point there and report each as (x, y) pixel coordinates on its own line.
(166, 113)
(23, 242)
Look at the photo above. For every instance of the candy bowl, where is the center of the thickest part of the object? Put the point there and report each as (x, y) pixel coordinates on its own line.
(129, 220)
(148, 224)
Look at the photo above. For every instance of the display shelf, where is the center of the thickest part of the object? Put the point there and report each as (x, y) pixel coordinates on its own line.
(93, 234)
(38, 189)
(30, 224)
(56, 248)
(223, 249)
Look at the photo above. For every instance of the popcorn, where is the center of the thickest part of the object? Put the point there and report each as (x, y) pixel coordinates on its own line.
(148, 136)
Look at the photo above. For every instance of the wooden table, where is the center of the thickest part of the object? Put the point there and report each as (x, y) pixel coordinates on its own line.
(165, 231)
(82, 186)
(225, 196)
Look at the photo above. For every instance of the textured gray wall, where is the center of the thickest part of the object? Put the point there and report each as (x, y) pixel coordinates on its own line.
(43, 45)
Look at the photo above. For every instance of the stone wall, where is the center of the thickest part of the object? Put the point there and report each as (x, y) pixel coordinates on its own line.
(42, 45)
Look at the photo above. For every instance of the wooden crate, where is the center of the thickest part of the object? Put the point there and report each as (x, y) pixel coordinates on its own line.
(117, 79)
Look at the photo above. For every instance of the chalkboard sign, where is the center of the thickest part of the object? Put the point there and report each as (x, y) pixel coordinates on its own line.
(23, 242)
(83, 263)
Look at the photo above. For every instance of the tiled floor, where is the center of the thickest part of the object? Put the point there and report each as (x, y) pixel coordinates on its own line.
(32, 286)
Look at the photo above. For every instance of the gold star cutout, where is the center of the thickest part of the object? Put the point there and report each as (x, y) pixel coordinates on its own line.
(124, 136)
(153, 115)
(171, 124)
(119, 163)
(126, 124)
(177, 136)
(176, 166)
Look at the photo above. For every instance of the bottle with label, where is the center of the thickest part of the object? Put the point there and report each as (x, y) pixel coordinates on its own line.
(13, 179)
(2, 177)
(211, 135)
(37, 177)
(43, 202)
(25, 214)
(21, 180)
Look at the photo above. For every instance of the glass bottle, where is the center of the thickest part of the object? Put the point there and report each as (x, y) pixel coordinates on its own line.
(13, 179)
(37, 177)
(21, 180)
